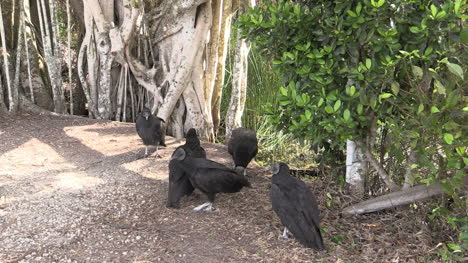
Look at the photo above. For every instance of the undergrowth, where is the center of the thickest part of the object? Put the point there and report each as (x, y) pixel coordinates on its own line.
(262, 92)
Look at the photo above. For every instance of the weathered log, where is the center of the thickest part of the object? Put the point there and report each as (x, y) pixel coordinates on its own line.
(403, 197)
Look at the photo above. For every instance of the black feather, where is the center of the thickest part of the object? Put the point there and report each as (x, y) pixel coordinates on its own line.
(296, 207)
(243, 146)
(149, 129)
(179, 182)
(192, 145)
(179, 185)
(208, 176)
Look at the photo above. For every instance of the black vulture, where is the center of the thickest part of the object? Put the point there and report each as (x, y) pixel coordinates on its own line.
(296, 207)
(192, 145)
(243, 146)
(149, 129)
(179, 182)
(209, 177)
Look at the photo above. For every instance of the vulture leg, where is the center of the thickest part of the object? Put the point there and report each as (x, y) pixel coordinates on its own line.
(204, 206)
(285, 234)
(208, 206)
(156, 154)
(146, 152)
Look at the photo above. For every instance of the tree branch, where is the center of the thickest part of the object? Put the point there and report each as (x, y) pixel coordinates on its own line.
(378, 168)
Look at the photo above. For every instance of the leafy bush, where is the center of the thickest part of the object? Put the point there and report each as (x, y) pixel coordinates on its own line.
(354, 68)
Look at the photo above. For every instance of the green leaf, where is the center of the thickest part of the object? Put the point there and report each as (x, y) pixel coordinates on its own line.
(304, 70)
(380, 3)
(455, 69)
(352, 90)
(308, 114)
(414, 29)
(464, 35)
(450, 125)
(428, 51)
(439, 87)
(277, 62)
(368, 63)
(395, 86)
(454, 247)
(331, 96)
(358, 8)
(448, 138)
(297, 10)
(320, 103)
(329, 109)
(465, 108)
(417, 72)
(434, 109)
(289, 55)
(299, 100)
(457, 6)
(337, 105)
(284, 91)
(441, 14)
(300, 47)
(351, 13)
(360, 109)
(412, 134)
(385, 96)
(346, 115)
(285, 102)
(448, 189)
(433, 10)
(420, 108)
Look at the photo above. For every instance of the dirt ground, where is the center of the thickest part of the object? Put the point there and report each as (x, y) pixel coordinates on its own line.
(76, 190)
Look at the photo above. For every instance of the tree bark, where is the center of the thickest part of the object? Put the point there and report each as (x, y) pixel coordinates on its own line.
(239, 87)
(6, 64)
(69, 56)
(409, 177)
(224, 36)
(3, 107)
(39, 88)
(52, 54)
(169, 59)
(356, 168)
(19, 49)
(28, 63)
(181, 64)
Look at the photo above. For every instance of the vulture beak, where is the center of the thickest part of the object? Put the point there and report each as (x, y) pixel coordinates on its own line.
(146, 117)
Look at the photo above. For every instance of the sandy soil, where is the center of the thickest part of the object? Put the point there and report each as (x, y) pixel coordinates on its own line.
(76, 190)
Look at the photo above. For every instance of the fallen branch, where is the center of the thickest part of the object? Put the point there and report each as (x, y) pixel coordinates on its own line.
(404, 197)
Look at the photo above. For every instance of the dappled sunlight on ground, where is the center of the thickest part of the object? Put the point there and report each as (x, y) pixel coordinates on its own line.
(75, 181)
(99, 139)
(34, 157)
